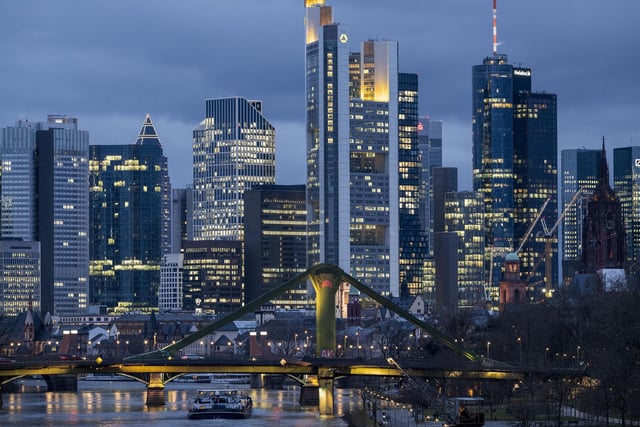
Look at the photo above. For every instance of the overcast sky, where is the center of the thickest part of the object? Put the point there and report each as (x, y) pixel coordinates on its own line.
(109, 63)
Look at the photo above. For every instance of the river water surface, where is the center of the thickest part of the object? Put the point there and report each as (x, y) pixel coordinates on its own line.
(122, 403)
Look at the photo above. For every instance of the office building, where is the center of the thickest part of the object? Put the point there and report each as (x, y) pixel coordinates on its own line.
(181, 217)
(45, 198)
(327, 138)
(353, 213)
(444, 180)
(19, 276)
(130, 220)
(170, 293)
(626, 185)
(580, 168)
(514, 162)
(233, 149)
(464, 216)
(212, 276)
(275, 243)
(430, 146)
(413, 236)
(535, 153)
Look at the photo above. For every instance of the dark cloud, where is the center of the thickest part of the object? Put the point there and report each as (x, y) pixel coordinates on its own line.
(111, 63)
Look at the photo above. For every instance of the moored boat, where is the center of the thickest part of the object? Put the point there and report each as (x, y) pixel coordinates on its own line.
(212, 403)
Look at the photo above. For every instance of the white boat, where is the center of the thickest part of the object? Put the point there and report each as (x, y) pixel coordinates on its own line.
(214, 403)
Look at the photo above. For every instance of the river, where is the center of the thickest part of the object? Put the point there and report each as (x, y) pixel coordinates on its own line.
(122, 403)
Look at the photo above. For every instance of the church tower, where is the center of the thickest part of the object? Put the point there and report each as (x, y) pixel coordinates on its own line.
(604, 244)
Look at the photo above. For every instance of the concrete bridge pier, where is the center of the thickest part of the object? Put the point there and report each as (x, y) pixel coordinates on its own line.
(61, 382)
(325, 392)
(155, 390)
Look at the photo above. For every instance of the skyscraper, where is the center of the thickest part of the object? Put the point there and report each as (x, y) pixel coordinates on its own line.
(580, 168)
(353, 213)
(464, 215)
(63, 215)
(430, 145)
(514, 159)
(414, 246)
(626, 185)
(275, 242)
(130, 231)
(327, 128)
(233, 149)
(535, 151)
(181, 217)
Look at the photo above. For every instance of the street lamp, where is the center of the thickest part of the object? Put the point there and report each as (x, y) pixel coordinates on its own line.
(520, 350)
(488, 345)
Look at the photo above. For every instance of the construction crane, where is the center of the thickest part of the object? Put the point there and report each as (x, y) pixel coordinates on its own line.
(533, 224)
(548, 238)
(503, 250)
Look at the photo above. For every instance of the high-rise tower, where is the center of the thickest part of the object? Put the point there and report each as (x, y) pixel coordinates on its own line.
(45, 198)
(626, 185)
(130, 220)
(580, 169)
(514, 158)
(233, 149)
(327, 127)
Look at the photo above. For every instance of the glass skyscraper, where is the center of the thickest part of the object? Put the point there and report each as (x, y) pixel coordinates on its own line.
(327, 129)
(413, 243)
(580, 168)
(44, 194)
(63, 215)
(535, 151)
(464, 215)
(275, 243)
(626, 185)
(355, 101)
(233, 149)
(514, 161)
(130, 220)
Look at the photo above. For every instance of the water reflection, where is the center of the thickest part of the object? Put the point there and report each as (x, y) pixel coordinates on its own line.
(122, 403)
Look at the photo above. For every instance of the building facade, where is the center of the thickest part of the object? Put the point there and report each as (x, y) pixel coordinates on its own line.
(170, 294)
(181, 217)
(213, 276)
(275, 243)
(626, 185)
(130, 220)
(353, 111)
(327, 137)
(430, 146)
(464, 215)
(19, 276)
(45, 198)
(414, 245)
(535, 153)
(514, 161)
(233, 149)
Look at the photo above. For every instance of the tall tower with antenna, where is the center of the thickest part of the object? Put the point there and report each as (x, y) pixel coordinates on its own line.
(495, 28)
(514, 157)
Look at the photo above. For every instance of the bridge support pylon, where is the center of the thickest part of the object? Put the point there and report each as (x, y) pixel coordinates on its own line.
(155, 390)
(325, 391)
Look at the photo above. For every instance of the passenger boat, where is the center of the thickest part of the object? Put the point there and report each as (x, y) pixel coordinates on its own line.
(213, 403)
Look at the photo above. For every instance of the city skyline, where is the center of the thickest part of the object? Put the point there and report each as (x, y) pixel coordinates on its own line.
(62, 61)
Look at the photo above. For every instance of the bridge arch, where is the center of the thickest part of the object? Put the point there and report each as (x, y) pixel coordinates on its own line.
(325, 279)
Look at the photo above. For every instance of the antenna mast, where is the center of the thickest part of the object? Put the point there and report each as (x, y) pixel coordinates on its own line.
(495, 29)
